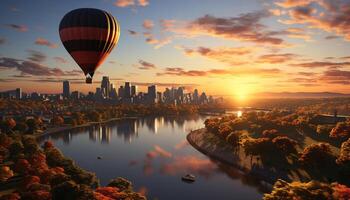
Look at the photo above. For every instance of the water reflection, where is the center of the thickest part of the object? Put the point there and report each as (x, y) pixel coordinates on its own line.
(125, 128)
(153, 153)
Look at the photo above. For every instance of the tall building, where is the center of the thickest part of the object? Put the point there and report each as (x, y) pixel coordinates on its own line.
(66, 89)
(18, 93)
(127, 90)
(105, 87)
(133, 90)
(152, 93)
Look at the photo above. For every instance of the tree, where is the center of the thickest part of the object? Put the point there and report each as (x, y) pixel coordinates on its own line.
(9, 124)
(318, 156)
(341, 130)
(284, 144)
(21, 127)
(33, 125)
(233, 138)
(297, 190)
(272, 133)
(344, 155)
(5, 173)
(57, 120)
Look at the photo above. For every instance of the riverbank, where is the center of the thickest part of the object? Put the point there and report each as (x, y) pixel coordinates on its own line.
(216, 148)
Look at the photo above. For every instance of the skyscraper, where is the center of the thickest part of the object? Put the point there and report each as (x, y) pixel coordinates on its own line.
(152, 93)
(127, 90)
(133, 90)
(18, 93)
(66, 90)
(105, 87)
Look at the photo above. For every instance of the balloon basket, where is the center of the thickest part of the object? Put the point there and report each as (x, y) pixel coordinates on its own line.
(88, 80)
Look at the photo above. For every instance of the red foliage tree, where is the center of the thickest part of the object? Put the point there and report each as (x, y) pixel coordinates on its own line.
(22, 166)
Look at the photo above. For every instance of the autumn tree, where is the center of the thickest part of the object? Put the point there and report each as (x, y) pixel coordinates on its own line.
(317, 155)
(341, 131)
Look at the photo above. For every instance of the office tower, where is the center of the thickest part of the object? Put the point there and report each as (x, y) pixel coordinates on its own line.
(133, 90)
(121, 92)
(195, 96)
(152, 93)
(105, 87)
(18, 93)
(66, 90)
(127, 90)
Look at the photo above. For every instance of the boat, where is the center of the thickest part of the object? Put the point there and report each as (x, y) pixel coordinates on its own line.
(189, 178)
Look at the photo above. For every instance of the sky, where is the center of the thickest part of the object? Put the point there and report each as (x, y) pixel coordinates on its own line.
(223, 47)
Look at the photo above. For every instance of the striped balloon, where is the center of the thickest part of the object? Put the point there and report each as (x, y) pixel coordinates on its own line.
(89, 35)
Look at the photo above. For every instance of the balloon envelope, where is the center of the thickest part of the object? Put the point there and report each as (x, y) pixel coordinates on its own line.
(89, 35)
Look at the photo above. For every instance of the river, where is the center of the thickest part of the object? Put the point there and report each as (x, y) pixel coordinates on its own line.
(153, 153)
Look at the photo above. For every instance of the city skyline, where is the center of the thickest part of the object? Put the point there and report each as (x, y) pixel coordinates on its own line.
(261, 46)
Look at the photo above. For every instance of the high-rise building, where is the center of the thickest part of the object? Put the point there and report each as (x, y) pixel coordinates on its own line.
(152, 93)
(66, 90)
(133, 90)
(105, 87)
(121, 92)
(127, 90)
(18, 93)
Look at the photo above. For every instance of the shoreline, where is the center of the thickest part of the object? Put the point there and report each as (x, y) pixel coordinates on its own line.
(194, 138)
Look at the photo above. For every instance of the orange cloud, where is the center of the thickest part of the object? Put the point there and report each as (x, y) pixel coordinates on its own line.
(148, 24)
(276, 58)
(178, 71)
(231, 55)
(293, 3)
(44, 42)
(321, 64)
(143, 2)
(246, 27)
(124, 3)
(146, 65)
(334, 18)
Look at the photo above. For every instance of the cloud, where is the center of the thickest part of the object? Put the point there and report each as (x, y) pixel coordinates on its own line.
(36, 56)
(19, 28)
(166, 24)
(157, 43)
(60, 59)
(329, 16)
(336, 75)
(245, 27)
(131, 32)
(178, 71)
(231, 55)
(307, 73)
(276, 58)
(143, 2)
(321, 64)
(146, 65)
(44, 42)
(32, 68)
(124, 3)
(293, 3)
(148, 24)
(331, 37)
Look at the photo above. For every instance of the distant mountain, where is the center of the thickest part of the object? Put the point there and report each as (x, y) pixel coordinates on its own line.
(300, 95)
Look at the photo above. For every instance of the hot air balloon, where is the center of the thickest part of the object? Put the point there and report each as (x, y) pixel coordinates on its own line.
(89, 35)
